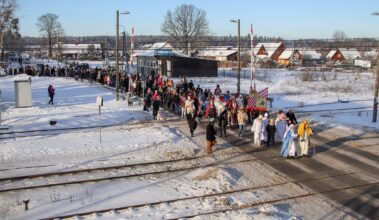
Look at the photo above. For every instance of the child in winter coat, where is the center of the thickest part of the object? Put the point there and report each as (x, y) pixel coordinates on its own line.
(270, 130)
(241, 119)
(211, 136)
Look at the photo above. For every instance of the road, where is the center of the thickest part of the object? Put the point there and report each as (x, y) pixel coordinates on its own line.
(337, 153)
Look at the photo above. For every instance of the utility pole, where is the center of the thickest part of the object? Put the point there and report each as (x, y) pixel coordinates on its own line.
(239, 59)
(376, 88)
(117, 58)
(239, 55)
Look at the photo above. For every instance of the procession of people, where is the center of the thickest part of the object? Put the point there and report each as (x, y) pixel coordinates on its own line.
(231, 111)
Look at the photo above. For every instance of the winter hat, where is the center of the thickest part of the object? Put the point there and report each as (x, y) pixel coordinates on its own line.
(266, 114)
(211, 120)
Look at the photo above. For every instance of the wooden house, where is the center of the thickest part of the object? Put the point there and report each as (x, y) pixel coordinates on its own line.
(264, 51)
(343, 55)
(290, 57)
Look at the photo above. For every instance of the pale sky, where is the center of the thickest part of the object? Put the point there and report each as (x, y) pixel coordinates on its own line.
(291, 19)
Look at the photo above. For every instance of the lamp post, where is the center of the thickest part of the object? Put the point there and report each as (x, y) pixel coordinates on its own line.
(239, 55)
(375, 107)
(117, 55)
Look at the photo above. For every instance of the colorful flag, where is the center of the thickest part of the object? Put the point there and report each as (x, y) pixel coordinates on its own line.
(251, 102)
(264, 93)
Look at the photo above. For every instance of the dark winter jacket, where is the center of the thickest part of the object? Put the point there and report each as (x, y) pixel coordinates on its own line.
(223, 121)
(156, 105)
(148, 100)
(211, 133)
(192, 124)
(51, 91)
(292, 117)
(270, 130)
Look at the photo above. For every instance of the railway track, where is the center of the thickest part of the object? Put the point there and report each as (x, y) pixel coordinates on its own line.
(224, 193)
(39, 132)
(127, 171)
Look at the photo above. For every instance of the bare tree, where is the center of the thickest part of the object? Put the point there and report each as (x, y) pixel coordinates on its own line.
(8, 21)
(339, 35)
(50, 27)
(185, 24)
(91, 52)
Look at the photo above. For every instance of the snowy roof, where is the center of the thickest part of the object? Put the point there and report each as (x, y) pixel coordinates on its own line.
(348, 54)
(310, 54)
(75, 48)
(286, 54)
(330, 54)
(372, 53)
(158, 45)
(216, 53)
(160, 52)
(270, 48)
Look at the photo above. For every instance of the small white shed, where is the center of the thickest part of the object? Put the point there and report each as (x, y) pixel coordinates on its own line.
(23, 93)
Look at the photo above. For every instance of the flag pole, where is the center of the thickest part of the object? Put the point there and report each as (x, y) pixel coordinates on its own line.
(252, 61)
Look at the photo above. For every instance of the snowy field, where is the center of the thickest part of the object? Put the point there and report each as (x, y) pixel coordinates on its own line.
(127, 143)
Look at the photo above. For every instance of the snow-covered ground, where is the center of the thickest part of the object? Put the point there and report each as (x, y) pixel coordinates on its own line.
(74, 105)
(128, 144)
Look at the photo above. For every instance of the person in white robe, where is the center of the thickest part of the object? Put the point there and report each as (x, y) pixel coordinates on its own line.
(258, 130)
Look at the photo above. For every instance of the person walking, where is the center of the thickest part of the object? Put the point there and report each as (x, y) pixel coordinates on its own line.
(265, 122)
(291, 116)
(281, 127)
(156, 104)
(192, 123)
(51, 92)
(241, 119)
(223, 121)
(289, 143)
(258, 130)
(304, 132)
(211, 111)
(211, 136)
(270, 131)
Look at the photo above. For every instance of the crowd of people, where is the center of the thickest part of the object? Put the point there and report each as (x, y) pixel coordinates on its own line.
(231, 111)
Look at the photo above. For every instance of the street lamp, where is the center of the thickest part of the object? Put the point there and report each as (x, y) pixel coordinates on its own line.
(117, 55)
(239, 55)
(375, 107)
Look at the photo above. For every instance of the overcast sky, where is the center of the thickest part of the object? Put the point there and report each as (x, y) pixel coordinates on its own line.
(291, 19)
